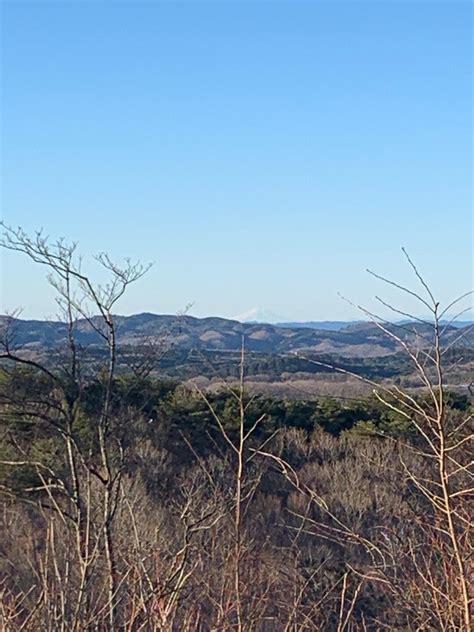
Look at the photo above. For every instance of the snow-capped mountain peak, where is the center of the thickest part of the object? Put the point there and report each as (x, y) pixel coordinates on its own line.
(259, 315)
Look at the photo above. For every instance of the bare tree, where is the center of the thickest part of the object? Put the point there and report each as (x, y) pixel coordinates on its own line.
(443, 445)
(82, 304)
(244, 485)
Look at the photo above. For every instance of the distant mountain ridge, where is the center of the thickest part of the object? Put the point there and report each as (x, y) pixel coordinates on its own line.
(331, 325)
(361, 339)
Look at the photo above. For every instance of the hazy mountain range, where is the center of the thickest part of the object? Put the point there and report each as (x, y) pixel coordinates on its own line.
(262, 315)
(361, 339)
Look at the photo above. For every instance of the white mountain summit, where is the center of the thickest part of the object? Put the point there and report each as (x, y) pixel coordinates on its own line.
(259, 315)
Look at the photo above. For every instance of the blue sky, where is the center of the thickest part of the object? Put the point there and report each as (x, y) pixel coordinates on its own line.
(258, 153)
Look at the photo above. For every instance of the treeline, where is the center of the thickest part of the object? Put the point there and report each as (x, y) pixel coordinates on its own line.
(185, 363)
(169, 408)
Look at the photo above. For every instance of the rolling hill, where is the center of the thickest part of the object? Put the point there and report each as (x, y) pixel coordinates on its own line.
(362, 339)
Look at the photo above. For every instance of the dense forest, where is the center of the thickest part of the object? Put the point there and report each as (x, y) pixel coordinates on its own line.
(136, 503)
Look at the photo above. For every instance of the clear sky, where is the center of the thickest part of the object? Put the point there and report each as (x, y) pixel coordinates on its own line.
(259, 153)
